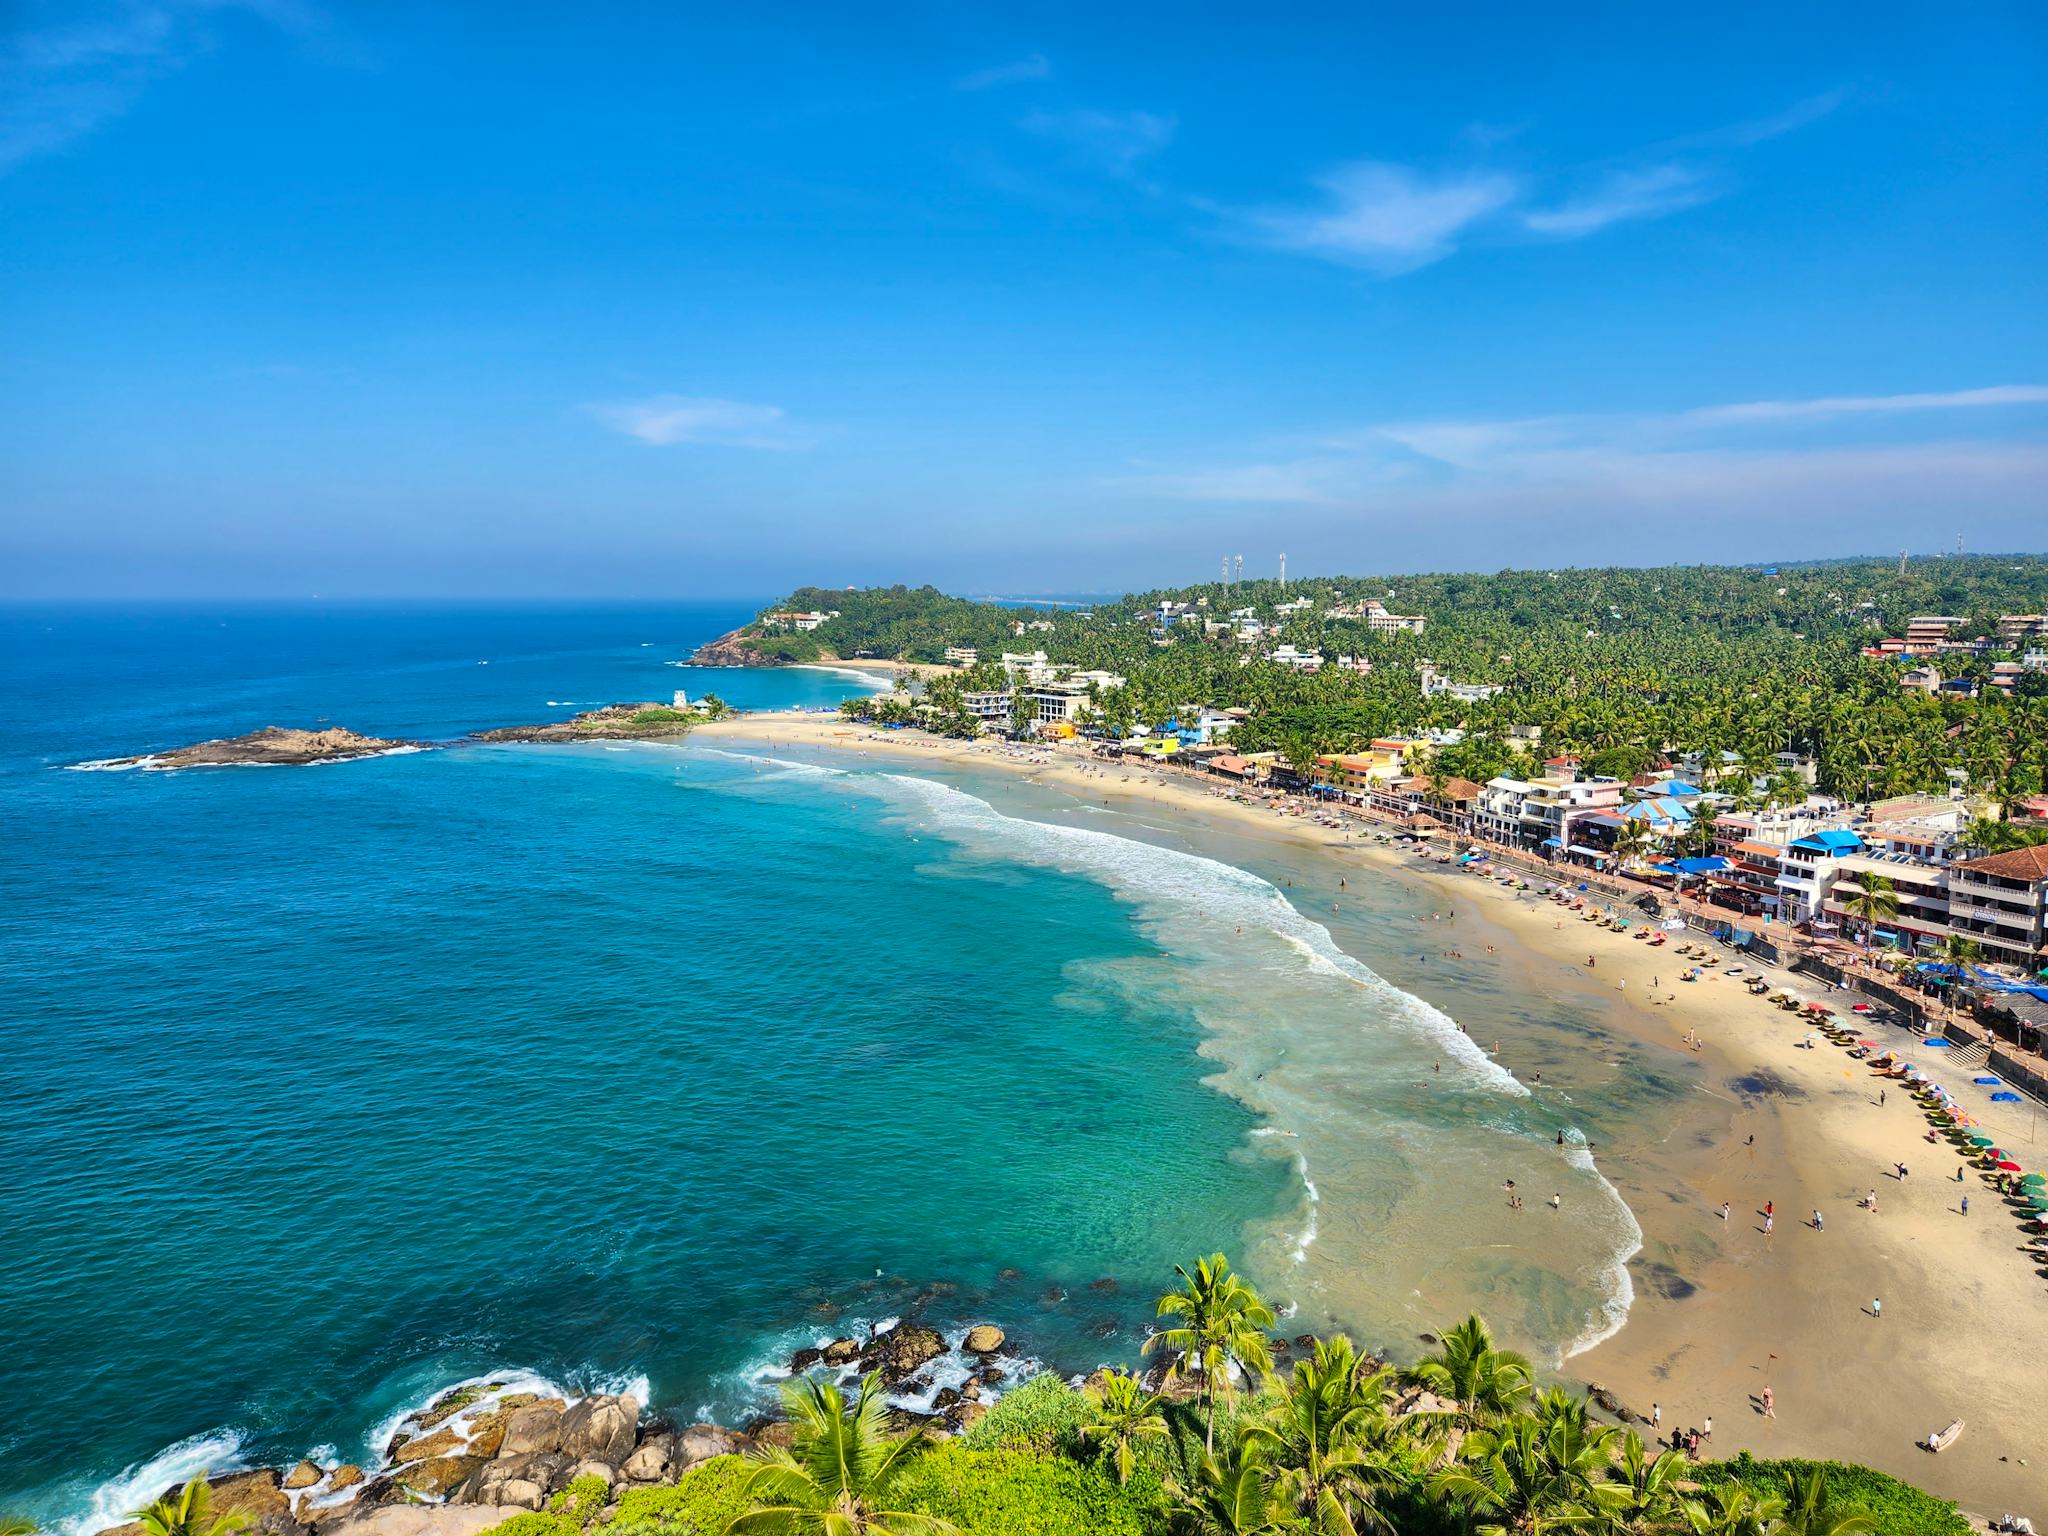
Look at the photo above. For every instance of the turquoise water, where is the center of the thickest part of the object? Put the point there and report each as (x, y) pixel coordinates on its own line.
(646, 1065)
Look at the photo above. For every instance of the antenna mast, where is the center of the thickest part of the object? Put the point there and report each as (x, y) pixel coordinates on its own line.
(1902, 562)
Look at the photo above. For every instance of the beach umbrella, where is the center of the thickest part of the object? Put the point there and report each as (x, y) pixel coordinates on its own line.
(1862, 1008)
(1981, 1141)
(2007, 1165)
(1868, 1045)
(2034, 1180)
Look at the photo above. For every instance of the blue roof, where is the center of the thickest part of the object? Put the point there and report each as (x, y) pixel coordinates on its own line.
(1835, 840)
(1659, 810)
(1678, 787)
(1701, 866)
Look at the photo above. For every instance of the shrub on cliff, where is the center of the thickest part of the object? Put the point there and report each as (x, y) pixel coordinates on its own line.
(1029, 1493)
(1897, 1508)
(702, 1502)
(1043, 1415)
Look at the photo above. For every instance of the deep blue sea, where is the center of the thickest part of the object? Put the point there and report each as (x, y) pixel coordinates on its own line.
(329, 1087)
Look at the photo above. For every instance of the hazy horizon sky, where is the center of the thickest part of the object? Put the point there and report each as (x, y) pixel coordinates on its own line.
(664, 299)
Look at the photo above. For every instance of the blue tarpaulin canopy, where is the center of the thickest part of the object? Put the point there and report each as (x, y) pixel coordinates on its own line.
(1936, 1043)
(2005, 1098)
(1700, 866)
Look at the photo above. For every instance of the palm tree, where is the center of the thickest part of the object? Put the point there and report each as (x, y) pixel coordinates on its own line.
(1232, 1496)
(1733, 1511)
(186, 1512)
(1524, 1477)
(1958, 950)
(1650, 1480)
(1128, 1414)
(1331, 1443)
(1221, 1330)
(839, 1473)
(1472, 1373)
(1877, 901)
(17, 1527)
(1631, 842)
(1811, 1509)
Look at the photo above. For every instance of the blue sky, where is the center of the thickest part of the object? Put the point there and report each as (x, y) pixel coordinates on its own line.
(507, 299)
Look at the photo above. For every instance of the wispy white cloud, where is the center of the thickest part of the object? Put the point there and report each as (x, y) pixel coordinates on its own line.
(1861, 405)
(1392, 219)
(1034, 66)
(665, 420)
(59, 83)
(1604, 459)
(1386, 217)
(1114, 142)
(1648, 193)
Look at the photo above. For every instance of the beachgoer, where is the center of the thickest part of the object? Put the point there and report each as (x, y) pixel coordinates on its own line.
(1656, 1414)
(1724, 1210)
(1818, 1226)
(1769, 1209)
(1880, 1098)
(1770, 1404)
(1767, 1226)
(1555, 1203)
(1560, 1138)
(1872, 1202)
(1966, 1205)
(1707, 1427)
(1876, 1307)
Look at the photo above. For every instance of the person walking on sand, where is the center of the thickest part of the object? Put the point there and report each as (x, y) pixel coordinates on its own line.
(1707, 1427)
(1724, 1210)
(1767, 1226)
(1876, 1306)
(1656, 1415)
(1966, 1205)
(1555, 1203)
(1818, 1224)
(1770, 1404)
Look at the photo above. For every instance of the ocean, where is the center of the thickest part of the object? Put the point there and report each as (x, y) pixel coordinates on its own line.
(643, 1065)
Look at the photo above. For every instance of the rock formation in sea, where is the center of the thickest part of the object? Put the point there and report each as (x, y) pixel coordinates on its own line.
(735, 648)
(280, 745)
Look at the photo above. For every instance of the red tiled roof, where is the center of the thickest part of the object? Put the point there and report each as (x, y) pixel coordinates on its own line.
(2019, 864)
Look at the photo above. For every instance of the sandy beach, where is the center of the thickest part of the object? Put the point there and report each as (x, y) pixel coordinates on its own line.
(1723, 1308)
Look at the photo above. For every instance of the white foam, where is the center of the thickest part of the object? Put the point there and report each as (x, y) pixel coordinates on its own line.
(1204, 888)
(1315, 1201)
(115, 1501)
(877, 682)
(1619, 1285)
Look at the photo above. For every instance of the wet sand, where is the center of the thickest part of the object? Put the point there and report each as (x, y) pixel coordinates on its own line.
(1721, 1308)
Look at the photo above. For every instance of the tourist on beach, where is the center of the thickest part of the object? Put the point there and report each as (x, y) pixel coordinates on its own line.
(1656, 1414)
(1876, 1307)
(1818, 1226)
(1724, 1210)
(1555, 1203)
(1966, 1205)
(1707, 1427)
(1767, 1226)
(1872, 1202)
(1770, 1209)
(1770, 1404)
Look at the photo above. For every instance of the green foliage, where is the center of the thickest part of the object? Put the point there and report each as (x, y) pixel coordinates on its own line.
(1044, 1414)
(189, 1512)
(12, 1527)
(842, 1475)
(1615, 665)
(1017, 1492)
(1897, 1508)
(702, 1502)
(662, 715)
(581, 1500)
(1219, 1332)
(537, 1523)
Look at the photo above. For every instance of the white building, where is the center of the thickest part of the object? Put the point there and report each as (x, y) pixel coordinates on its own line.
(962, 655)
(1300, 661)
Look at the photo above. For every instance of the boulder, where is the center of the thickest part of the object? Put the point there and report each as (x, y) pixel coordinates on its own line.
(439, 1477)
(990, 1375)
(840, 1352)
(983, 1339)
(494, 1483)
(600, 1470)
(304, 1475)
(533, 1430)
(520, 1493)
(487, 1434)
(966, 1415)
(258, 1495)
(804, 1359)
(421, 1520)
(775, 1433)
(902, 1350)
(601, 1429)
(649, 1463)
(442, 1442)
(945, 1397)
(450, 1403)
(701, 1442)
(347, 1475)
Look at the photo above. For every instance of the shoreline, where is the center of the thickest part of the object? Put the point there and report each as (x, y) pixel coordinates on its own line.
(1718, 1311)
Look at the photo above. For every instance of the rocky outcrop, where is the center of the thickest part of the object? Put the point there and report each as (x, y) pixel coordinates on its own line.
(304, 1475)
(258, 1497)
(275, 745)
(701, 1442)
(601, 1429)
(983, 1339)
(902, 1351)
(841, 1352)
(615, 722)
(533, 1429)
(734, 648)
